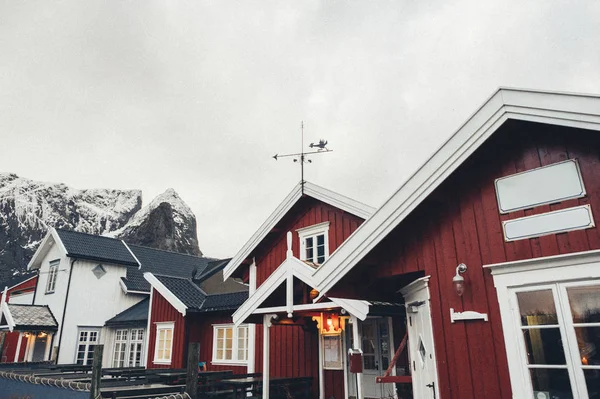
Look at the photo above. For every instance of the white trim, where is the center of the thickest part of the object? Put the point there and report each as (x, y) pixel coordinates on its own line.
(292, 266)
(164, 291)
(312, 190)
(50, 238)
(314, 231)
(4, 309)
(234, 345)
(572, 110)
(22, 282)
(126, 291)
(538, 273)
(163, 325)
(148, 325)
(132, 254)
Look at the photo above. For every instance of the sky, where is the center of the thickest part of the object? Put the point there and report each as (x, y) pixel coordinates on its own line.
(199, 95)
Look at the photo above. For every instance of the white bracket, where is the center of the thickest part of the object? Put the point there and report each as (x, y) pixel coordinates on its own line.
(467, 315)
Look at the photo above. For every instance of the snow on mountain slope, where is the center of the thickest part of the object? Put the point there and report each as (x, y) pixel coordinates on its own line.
(29, 208)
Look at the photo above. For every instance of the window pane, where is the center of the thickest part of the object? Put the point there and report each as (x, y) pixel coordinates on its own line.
(241, 354)
(229, 333)
(588, 341)
(219, 354)
(167, 354)
(544, 346)
(585, 303)
(169, 334)
(309, 242)
(228, 354)
(592, 380)
(309, 254)
(537, 308)
(320, 240)
(554, 381)
(220, 332)
(161, 354)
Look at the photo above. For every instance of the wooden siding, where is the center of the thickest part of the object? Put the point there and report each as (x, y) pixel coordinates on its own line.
(460, 223)
(25, 286)
(271, 253)
(9, 346)
(162, 311)
(201, 330)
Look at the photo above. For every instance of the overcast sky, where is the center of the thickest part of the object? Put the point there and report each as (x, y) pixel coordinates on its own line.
(198, 96)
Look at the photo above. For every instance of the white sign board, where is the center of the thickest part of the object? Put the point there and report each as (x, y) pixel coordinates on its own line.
(569, 219)
(545, 185)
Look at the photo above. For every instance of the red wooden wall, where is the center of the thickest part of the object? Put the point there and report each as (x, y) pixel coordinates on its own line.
(162, 311)
(12, 338)
(201, 330)
(460, 223)
(293, 351)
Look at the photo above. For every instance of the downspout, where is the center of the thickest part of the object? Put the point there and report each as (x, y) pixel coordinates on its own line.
(37, 280)
(62, 322)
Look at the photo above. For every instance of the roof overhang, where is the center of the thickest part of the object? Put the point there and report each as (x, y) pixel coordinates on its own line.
(312, 190)
(563, 109)
(166, 293)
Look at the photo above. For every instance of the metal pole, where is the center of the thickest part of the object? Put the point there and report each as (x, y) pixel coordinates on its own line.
(96, 371)
(266, 327)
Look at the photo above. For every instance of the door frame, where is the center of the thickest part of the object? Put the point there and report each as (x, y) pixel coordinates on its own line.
(421, 285)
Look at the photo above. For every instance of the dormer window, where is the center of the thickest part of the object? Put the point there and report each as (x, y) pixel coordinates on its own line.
(314, 243)
(52, 272)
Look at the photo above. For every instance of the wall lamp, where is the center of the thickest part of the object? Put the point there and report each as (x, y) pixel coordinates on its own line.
(459, 281)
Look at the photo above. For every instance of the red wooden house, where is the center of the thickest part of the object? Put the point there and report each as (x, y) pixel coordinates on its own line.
(493, 247)
(197, 309)
(297, 338)
(19, 290)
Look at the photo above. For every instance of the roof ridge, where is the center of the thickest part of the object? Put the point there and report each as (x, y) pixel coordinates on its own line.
(88, 234)
(172, 252)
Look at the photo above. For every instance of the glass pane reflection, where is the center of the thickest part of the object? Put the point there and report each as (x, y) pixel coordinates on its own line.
(537, 308)
(592, 380)
(585, 303)
(554, 381)
(588, 341)
(544, 346)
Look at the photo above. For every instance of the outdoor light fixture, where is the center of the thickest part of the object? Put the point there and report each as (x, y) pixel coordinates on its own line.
(459, 281)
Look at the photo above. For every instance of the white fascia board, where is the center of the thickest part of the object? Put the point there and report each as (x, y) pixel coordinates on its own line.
(546, 262)
(292, 265)
(355, 307)
(132, 254)
(312, 190)
(553, 108)
(164, 291)
(22, 282)
(50, 238)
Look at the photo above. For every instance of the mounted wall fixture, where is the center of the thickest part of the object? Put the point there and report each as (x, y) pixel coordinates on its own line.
(459, 281)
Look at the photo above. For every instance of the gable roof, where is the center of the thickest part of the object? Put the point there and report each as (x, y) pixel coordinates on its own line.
(32, 317)
(164, 263)
(564, 109)
(312, 190)
(210, 294)
(136, 314)
(99, 248)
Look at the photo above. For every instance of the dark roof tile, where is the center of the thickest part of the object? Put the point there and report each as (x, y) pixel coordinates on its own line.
(98, 248)
(137, 314)
(185, 290)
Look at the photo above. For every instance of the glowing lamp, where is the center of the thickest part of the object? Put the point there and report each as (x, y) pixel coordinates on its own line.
(459, 281)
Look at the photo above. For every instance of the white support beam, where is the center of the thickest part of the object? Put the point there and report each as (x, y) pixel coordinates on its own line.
(252, 327)
(267, 323)
(18, 347)
(357, 345)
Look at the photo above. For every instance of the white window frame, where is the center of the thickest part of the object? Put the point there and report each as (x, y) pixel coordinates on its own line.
(234, 348)
(558, 272)
(313, 231)
(128, 346)
(87, 343)
(160, 327)
(52, 275)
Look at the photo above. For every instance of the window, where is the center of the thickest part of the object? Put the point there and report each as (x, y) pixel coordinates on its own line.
(128, 348)
(87, 340)
(51, 283)
(560, 338)
(230, 344)
(164, 342)
(314, 243)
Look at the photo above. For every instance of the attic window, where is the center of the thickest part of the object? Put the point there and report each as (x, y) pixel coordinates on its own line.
(314, 243)
(99, 271)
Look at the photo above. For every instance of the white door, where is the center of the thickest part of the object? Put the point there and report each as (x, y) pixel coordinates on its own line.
(420, 340)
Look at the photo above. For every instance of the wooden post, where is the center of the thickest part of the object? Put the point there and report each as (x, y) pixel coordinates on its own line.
(191, 381)
(96, 371)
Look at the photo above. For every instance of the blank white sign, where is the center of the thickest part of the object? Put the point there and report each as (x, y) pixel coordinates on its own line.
(569, 219)
(545, 185)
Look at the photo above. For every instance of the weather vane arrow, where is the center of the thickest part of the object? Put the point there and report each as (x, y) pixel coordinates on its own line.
(321, 147)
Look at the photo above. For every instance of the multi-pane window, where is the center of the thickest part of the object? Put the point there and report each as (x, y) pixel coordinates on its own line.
(314, 246)
(230, 344)
(560, 338)
(164, 342)
(128, 348)
(87, 340)
(52, 274)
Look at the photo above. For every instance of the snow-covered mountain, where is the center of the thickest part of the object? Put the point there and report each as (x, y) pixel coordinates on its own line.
(29, 208)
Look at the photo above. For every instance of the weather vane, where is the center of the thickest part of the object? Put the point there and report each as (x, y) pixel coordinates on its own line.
(300, 157)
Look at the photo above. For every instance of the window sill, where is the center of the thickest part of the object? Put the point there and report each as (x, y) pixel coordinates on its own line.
(229, 363)
(49, 292)
(161, 362)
